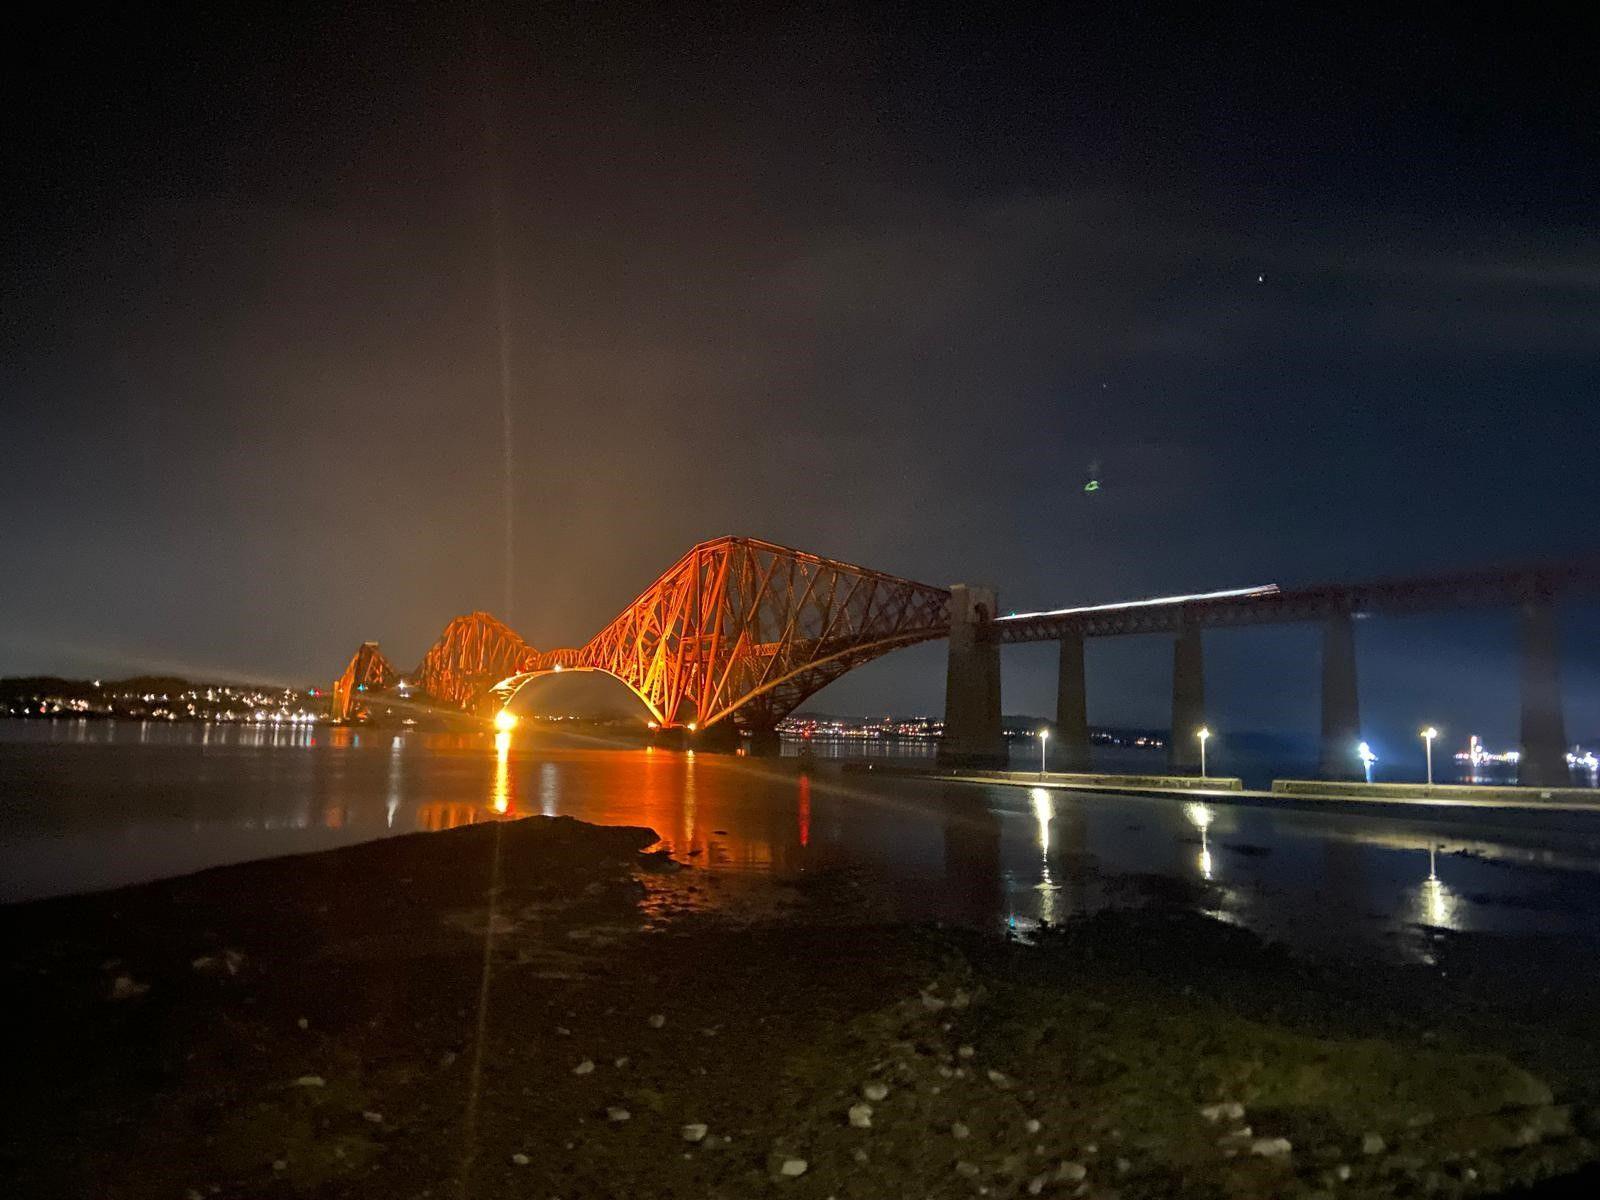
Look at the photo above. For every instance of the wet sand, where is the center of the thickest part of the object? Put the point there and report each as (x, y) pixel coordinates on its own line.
(542, 1008)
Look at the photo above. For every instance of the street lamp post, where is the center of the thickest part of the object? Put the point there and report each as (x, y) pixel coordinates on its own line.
(1044, 737)
(1428, 735)
(1203, 734)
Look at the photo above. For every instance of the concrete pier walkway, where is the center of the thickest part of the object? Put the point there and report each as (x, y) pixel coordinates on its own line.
(1285, 793)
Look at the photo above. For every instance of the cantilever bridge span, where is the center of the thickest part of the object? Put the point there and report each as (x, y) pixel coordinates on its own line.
(737, 630)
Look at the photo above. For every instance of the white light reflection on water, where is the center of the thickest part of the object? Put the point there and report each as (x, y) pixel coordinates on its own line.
(1049, 891)
(391, 804)
(1435, 904)
(1201, 817)
(549, 790)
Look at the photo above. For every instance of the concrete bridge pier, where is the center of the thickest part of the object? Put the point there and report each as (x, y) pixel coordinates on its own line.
(1544, 738)
(721, 738)
(1070, 745)
(972, 733)
(1341, 708)
(1188, 701)
(765, 743)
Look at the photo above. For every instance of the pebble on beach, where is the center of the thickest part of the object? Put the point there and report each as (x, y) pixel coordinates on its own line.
(618, 1115)
(875, 1091)
(860, 1116)
(584, 1068)
(793, 1168)
(124, 988)
(657, 1020)
(695, 1131)
(960, 1132)
(1271, 1147)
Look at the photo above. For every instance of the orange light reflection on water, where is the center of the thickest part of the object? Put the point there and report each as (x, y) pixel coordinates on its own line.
(803, 813)
(500, 795)
(705, 808)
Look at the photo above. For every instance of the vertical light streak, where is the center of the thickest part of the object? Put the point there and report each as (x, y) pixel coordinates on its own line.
(502, 287)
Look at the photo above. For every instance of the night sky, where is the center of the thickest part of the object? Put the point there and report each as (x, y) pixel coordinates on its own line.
(1319, 295)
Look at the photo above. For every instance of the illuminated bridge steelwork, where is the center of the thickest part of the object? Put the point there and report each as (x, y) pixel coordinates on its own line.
(740, 632)
(737, 630)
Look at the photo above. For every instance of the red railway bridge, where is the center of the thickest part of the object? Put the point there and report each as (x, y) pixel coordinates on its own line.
(738, 633)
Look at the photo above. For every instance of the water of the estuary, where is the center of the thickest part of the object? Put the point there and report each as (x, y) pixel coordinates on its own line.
(87, 806)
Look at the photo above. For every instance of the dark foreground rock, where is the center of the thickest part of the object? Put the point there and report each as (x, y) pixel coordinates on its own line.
(536, 1008)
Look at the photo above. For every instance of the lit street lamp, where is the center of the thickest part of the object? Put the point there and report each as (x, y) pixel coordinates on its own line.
(1203, 734)
(1428, 735)
(1367, 757)
(1044, 737)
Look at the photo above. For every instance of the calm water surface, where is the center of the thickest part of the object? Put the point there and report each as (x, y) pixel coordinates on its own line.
(91, 805)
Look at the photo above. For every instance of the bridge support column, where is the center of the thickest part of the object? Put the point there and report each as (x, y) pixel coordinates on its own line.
(721, 738)
(1341, 708)
(1544, 740)
(673, 737)
(1188, 701)
(972, 733)
(1071, 743)
(765, 743)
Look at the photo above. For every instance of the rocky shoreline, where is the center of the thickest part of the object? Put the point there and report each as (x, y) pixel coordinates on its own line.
(544, 1008)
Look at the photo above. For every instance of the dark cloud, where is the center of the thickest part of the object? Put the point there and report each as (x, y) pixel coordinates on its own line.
(880, 291)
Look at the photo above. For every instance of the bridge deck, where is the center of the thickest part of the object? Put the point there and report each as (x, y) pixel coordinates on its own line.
(1267, 604)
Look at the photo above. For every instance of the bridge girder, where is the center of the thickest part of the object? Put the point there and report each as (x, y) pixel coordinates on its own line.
(737, 629)
(367, 672)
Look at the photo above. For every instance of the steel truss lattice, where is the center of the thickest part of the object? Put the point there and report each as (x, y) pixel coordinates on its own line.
(737, 629)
